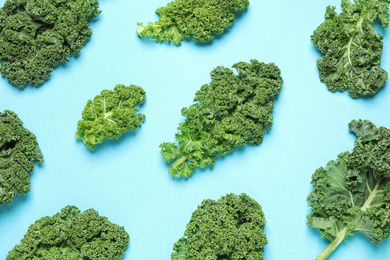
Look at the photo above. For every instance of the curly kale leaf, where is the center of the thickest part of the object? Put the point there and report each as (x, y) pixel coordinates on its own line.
(352, 193)
(230, 228)
(201, 19)
(352, 48)
(18, 151)
(233, 110)
(71, 235)
(111, 114)
(35, 36)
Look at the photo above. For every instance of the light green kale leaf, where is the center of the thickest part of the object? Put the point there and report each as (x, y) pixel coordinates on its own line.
(111, 114)
(233, 110)
(352, 193)
(201, 19)
(352, 48)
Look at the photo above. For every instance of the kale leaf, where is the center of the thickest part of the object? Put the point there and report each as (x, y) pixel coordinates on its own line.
(111, 114)
(70, 235)
(18, 151)
(35, 36)
(352, 193)
(352, 48)
(201, 19)
(233, 110)
(230, 228)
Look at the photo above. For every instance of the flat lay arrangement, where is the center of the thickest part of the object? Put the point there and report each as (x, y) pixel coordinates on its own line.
(194, 129)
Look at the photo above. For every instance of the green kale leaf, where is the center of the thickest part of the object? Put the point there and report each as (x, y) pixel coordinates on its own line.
(352, 48)
(111, 114)
(72, 235)
(18, 151)
(233, 110)
(35, 36)
(230, 228)
(201, 19)
(352, 193)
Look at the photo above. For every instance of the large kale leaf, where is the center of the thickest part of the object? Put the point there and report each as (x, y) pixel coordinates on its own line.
(35, 36)
(201, 19)
(352, 193)
(229, 228)
(233, 110)
(72, 235)
(18, 151)
(352, 48)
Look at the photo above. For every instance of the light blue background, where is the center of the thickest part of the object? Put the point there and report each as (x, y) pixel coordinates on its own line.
(126, 179)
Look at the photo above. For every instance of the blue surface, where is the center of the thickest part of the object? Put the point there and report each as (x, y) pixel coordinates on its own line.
(126, 179)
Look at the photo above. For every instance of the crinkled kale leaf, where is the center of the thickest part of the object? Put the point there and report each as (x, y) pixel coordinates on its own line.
(352, 48)
(111, 114)
(18, 151)
(233, 110)
(201, 19)
(352, 193)
(230, 228)
(70, 235)
(35, 36)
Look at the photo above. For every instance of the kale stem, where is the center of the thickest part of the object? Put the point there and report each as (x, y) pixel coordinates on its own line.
(373, 193)
(140, 30)
(179, 161)
(333, 245)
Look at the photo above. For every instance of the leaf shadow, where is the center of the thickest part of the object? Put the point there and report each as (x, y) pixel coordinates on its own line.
(18, 201)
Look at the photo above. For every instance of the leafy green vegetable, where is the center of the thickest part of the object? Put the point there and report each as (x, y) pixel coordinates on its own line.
(18, 151)
(35, 36)
(230, 228)
(352, 47)
(201, 19)
(71, 235)
(352, 193)
(111, 114)
(233, 110)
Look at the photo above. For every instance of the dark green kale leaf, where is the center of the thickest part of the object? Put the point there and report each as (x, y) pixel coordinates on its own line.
(201, 19)
(352, 193)
(37, 35)
(111, 114)
(72, 235)
(230, 228)
(233, 110)
(352, 48)
(18, 151)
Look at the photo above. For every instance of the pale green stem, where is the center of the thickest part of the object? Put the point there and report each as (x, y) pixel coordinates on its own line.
(179, 161)
(108, 114)
(372, 195)
(140, 30)
(333, 245)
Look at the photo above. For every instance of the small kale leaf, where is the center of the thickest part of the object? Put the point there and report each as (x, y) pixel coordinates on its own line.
(111, 114)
